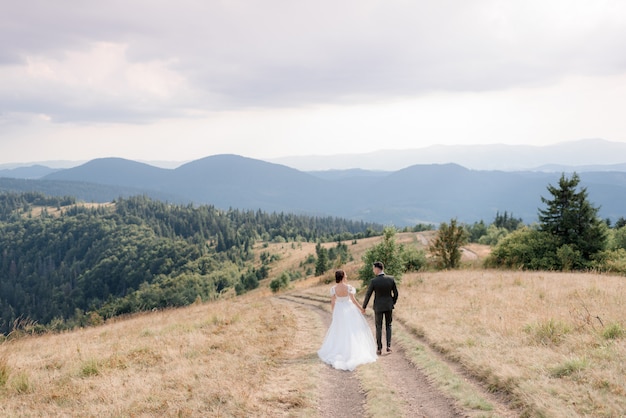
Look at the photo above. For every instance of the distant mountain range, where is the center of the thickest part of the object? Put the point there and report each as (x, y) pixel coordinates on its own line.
(582, 155)
(421, 193)
(36, 171)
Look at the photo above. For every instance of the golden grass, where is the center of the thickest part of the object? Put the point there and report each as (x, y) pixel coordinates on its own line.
(204, 360)
(553, 343)
(58, 211)
(539, 337)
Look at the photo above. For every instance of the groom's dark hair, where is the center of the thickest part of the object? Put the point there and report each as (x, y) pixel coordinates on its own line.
(379, 265)
(339, 275)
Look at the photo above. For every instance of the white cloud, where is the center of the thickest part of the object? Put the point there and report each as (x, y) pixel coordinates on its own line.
(311, 74)
(95, 84)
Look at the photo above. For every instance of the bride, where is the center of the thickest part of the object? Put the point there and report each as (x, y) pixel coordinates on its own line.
(349, 341)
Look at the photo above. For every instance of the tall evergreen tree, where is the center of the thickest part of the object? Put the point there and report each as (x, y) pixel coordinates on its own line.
(322, 260)
(572, 220)
(621, 222)
(507, 221)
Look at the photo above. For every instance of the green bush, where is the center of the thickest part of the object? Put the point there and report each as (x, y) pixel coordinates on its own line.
(525, 248)
(446, 247)
(613, 261)
(569, 257)
(5, 371)
(614, 331)
(280, 283)
(413, 259)
(388, 252)
(476, 231)
(493, 235)
(619, 238)
(21, 383)
(89, 368)
(616, 238)
(569, 368)
(550, 332)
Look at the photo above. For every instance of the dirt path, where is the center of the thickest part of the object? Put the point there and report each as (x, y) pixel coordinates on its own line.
(341, 393)
(468, 254)
(419, 397)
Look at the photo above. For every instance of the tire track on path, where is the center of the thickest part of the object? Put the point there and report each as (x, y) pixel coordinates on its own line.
(414, 395)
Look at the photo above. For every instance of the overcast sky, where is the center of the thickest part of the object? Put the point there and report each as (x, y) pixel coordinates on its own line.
(180, 80)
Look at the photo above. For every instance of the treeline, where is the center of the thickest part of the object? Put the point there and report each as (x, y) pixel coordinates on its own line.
(83, 265)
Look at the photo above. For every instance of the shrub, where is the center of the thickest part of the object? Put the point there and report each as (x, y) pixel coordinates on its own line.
(95, 318)
(550, 332)
(493, 235)
(569, 367)
(525, 248)
(388, 252)
(21, 383)
(618, 238)
(446, 248)
(413, 259)
(90, 368)
(614, 331)
(476, 231)
(569, 257)
(5, 371)
(280, 283)
(611, 261)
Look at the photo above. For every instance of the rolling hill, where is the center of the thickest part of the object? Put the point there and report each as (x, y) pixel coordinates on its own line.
(422, 193)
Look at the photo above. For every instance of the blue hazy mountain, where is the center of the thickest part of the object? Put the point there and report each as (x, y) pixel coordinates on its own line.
(585, 152)
(421, 193)
(35, 171)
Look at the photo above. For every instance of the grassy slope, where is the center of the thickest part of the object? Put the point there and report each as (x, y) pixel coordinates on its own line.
(533, 336)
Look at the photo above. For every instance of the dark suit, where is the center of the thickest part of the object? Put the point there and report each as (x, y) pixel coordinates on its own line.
(385, 298)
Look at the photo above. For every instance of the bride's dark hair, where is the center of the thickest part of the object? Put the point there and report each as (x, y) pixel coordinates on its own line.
(339, 275)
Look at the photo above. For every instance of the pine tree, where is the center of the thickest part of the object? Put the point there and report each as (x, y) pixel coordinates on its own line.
(322, 260)
(572, 220)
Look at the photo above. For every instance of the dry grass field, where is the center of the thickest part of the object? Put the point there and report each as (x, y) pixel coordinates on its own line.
(553, 344)
(203, 360)
(56, 212)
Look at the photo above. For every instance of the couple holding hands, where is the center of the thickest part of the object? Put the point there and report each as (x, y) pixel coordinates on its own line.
(349, 341)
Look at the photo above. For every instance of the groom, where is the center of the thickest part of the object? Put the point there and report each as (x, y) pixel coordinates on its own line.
(385, 298)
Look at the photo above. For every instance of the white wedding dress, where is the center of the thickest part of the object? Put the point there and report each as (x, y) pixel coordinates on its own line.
(349, 341)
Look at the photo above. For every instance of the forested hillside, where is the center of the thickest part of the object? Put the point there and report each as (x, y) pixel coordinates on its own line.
(69, 264)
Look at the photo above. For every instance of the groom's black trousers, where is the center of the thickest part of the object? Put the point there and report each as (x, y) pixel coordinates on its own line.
(378, 320)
